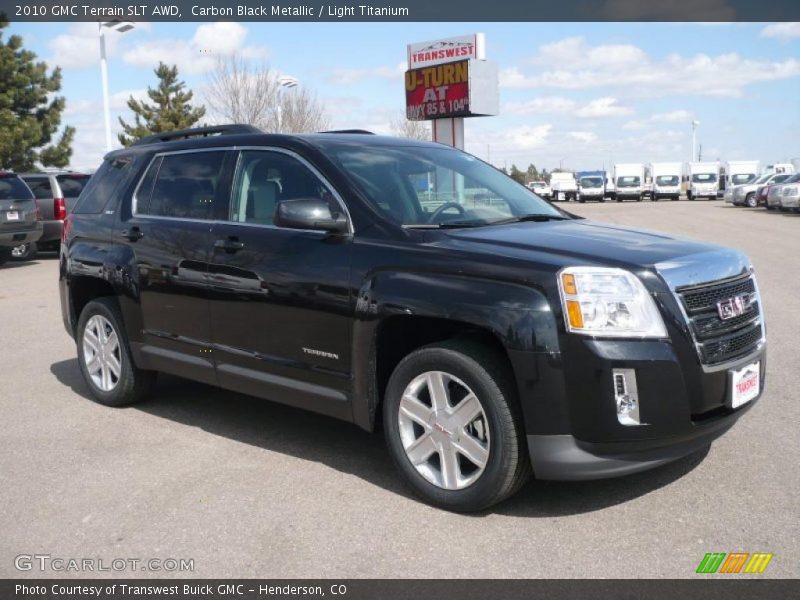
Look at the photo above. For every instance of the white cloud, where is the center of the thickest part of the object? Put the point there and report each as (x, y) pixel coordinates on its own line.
(210, 42)
(603, 107)
(350, 76)
(587, 137)
(90, 109)
(574, 64)
(542, 104)
(673, 116)
(782, 31)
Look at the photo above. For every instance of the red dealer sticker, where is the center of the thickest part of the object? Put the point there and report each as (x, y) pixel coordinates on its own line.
(438, 92)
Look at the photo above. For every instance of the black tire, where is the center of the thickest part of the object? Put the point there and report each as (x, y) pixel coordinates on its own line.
(582, 200)
(5, 254)
(133, 384)
(29, 252)
(750, 200)
(490, 378)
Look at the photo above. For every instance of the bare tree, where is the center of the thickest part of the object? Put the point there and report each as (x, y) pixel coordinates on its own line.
(415, 130)
(240, 92)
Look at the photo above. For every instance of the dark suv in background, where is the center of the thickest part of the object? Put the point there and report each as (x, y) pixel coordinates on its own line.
(378, 279)
(56, 193)
(20, 220)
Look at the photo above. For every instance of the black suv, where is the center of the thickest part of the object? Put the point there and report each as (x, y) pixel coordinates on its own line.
(377, 279)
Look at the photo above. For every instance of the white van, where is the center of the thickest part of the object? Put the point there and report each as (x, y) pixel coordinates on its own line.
(666, 180)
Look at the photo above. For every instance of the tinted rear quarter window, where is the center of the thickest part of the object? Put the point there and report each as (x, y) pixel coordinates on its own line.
(72, 185)
(102, 185)
(40, 186)
(13, 188)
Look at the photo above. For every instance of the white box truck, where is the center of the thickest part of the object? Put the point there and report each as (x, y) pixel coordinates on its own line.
(666, 180)
(629, 181)
(564, 186)
(739, 172)
(703, 180)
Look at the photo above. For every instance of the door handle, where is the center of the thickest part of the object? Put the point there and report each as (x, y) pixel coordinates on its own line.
(229, 245)
(132, 234)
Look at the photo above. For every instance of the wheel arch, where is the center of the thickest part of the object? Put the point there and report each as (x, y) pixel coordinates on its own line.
(397, 313)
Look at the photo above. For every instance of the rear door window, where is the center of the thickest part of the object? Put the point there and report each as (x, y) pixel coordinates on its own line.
(183, 185)
(102, 185)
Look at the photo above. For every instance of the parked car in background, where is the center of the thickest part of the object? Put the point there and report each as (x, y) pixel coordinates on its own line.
(745, 195)
(774, 191)
(541, 189)
(564, 186)
(56, 193)
(666, 180)
(20, 220)
(591, 186)
(790, 195)
(762, 191)
(703, 180)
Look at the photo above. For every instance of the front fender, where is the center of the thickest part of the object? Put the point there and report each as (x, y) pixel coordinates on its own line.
(519, 316)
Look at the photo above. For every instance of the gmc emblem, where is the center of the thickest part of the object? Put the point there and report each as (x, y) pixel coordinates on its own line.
(733, 307)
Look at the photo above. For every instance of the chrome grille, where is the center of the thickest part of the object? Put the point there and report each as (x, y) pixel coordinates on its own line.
(719, 340)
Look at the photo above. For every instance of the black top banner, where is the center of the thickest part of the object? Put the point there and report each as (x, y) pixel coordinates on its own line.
(405, 10)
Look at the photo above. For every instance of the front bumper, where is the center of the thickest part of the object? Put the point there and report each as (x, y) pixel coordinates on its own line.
(684, 408)
(790, 201)
(17, 238)
(564, 458)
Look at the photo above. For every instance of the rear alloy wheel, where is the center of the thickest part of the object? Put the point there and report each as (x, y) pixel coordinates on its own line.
(453, 428)
(750, 200)
(25, 251)
(105, 358)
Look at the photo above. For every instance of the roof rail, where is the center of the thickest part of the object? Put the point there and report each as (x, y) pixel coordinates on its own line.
(184, 134)
(349, 131)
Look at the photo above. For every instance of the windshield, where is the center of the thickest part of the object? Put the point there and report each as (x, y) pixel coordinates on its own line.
(704, 178)
(793, 179)
(538, 185)
(764, 178)
(591, 182)
(13, 188)
(780, 178)
(419, 185)
(667, 180)
(629, 181)
(742, 178)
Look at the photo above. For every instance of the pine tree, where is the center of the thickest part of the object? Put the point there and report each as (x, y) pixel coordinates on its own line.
(170, 109)
(30, 113)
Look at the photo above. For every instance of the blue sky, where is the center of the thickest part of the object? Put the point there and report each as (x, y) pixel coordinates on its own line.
(581, 94)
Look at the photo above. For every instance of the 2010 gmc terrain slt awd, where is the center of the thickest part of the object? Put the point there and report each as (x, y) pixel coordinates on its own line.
(368, 278)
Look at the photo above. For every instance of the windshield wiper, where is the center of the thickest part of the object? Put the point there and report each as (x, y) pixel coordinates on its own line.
(532, 217)
(447, 225)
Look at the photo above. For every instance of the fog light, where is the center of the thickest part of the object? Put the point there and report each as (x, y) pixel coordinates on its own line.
(626, 396)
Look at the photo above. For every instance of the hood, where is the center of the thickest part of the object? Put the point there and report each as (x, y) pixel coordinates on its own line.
(577, 241)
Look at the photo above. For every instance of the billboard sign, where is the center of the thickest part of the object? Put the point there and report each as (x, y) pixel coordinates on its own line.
(464, 88)
(435, 52)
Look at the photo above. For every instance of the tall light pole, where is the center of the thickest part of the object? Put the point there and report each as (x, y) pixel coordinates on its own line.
(119, 27)
(284, 82)
(694, 139)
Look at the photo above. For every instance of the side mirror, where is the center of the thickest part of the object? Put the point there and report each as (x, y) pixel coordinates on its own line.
(309, 213)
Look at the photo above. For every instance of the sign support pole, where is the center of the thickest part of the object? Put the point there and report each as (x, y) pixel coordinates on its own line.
(449, 131)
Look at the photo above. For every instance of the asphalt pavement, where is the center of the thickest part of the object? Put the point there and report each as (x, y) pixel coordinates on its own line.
(248, 488)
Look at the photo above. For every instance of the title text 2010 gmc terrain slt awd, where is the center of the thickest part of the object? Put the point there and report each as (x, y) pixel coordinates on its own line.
(370, 278)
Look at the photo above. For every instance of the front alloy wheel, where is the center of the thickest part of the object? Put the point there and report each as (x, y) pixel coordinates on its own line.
(751, 200)
(453, 425)
(443, 429)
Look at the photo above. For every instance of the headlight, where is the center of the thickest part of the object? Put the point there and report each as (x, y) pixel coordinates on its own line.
(606, 302)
